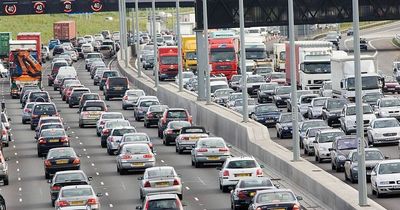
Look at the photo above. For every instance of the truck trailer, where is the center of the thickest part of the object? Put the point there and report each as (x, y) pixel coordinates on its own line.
(65, 31)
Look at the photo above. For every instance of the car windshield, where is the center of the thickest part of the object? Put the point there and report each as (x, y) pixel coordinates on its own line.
(389, 168)
(169, 60)
(116, 124)
(93, 108)
(178, 124)
(369, 155)
(255, 79)
(191, 56)
(135, 149)
(262, 182)
(236, 78)
(57, 153)
(329, 137)
(160, 172)
(310, 124)
(283, 90)
(242, 164)
(112, 116)
(44, 109)
(211, 143)
(268, 86)
(135, 93)
(148, 103)
(368, 83)
(336, 104)
(91, 97)
(53, 133)
(347, 144)
(276, 197)
(307, 99)
(266, 108)
(264, 70)
(122, 131)
(118, 81)
(133, 138)
(52, 125)
(163, 204)
(69, 177)
(76, 192)
(351, 110)
(390, 123)
(176, 114)
(390, 103)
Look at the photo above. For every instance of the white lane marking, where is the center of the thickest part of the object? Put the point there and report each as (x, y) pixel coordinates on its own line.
(123, 186)
(20, 189)
(111, 206)
(187, 188)
(201, 181)
(20, 200)
(17, 162)
(92, 164)
(106, 194)
(19, 178)
(84, 149)
(72, 132)
(80, 143)
(16, 154)
(162, 161)
(195, 198)
(97, 173)
(88, 157)
(14, 146)
(102, 183)
(77, 137)
(17, 169)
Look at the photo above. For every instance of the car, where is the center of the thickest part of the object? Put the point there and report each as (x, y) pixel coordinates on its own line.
(6, 122)
(72, 54)
(87, 48)
(24, 98)
(307, 142)
(314, 110)
(153, 114)
(109, 126)
(172, 114)
(26, 112)
(67, 82)
(141, 107)
(96, 70)
(275, 199)
(134, 157)
(98, 74)
(348, 117)
(54, 71)
(135, 138)
(186, 76)
(91, 112)
(281, 95)
(332, 109)
(45, 126)
(91, 58)
(115, 137)
(253, 83)
(42, 109)
(58, 49)
(115, 87)
(172, 131)
(262, 70)
(66, 57)
(78, 195)
(384, 178)
(303, 126)
(323, 142)
(60, 159)
(106, 51)
(237, 168)
(234, 82)
(3, 169)
(220, 96)
(372, 157)
(300, 93)
(51, 138)
(304, 103)
(266, 114)
(27, 88)
(53, 43)
(238, 106)
(333, 37)
(391, 85)
(66, 178)
(88, 96)
(284, 125)
(371, 98)
(160, 180)
(341, 146)
(188, 136)
(5, 136)
(383, 131)
(68, 90)
(96, 65)
(278, 77)
(266, 92)
(209, 150)
(244, 191)
(104, 117)
(388, 107)
(106, 74)
(232, 98)
(167, 201)
(75, 96)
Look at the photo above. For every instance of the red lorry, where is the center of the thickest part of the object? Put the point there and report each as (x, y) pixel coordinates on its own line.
(167, 62)
(33, 36)
(65, 31)
(223, 56)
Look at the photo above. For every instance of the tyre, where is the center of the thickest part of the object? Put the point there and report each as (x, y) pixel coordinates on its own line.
(47, 175)
(23, 121)
(5, 180)
(110, 152)
(338, 169)
(316, 158)
(352, 180)
(103, 144)
(373, 191)
(81, 125)
(123, 107)
(305, 152)
(32, 127)
(98, 134)
(121, 171)
(146, 124)
(197, 164)
(107, 97)
(320, 160)
(54, 88)
(70, 105)
(333, 166)
(180, 196)
(347, 178)
(225, 189)
(100, 87)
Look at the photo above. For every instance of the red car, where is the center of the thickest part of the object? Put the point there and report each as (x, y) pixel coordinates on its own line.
(391, 85)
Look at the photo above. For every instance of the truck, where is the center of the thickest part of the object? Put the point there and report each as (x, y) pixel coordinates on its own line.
(343, 81)
(5, 38)
(189, 52)
(279, 56)
(312, 63)
(33, 36)
(255, 48)
(223, 56)
(168, 62)
(186, 28)
(24, 66)
(65, 31)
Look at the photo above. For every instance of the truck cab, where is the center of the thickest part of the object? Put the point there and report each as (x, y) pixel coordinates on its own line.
(189, 52)
(168, 62)
(223, 58)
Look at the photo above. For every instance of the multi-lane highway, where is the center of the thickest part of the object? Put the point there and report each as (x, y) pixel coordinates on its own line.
(29, 189)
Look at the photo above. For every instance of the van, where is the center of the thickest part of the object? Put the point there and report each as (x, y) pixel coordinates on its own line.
(65, 71)
(216, 85)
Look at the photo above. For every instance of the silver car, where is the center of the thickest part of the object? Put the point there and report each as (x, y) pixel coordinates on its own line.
(188, 136)
(210, 150)
(26, 112)
(131, 97)
(134, 157)
(106, 116)
(372, 157)
(160, 180)
(136, 138)
(78, 195)
(115, 137)
(111, 124)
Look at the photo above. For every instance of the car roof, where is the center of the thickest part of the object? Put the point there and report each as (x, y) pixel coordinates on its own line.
(274, 190)
(240, 158)
(390, 161)
(330, 130)
(76, 186)
(384, 119)
(161, 196)
(69, 172)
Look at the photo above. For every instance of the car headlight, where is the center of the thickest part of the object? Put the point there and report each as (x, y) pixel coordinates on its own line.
(383, 114)
(377, 135)
(341, 157)
(384, 182)
(277, 98)
(285, 128)
(323, 149)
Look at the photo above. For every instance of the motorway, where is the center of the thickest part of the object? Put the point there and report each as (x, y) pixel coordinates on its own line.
(28, 188)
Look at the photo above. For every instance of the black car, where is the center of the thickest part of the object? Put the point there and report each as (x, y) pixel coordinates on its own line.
(76, 96)
(284, 125)
(153, 115)
(172, 131)
(363, 44)
(246, 189)
(51, 138)
(281, 95)
(58, 49)
(106, 74)
(266, 114)
(66, 178)
(332, 109)
(266, 92)
(115, 87)
(42, 109)
(61, 159)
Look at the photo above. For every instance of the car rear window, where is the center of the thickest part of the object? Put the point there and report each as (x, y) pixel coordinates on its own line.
(255, 183)
(93, 56)
(148, 103)
(176, 114)
(51, 126)
(69, 177)
(121, 132)
(36, 95)
(91, 97)
(44, 109)
(133, 138)
(160, 172)
(170, 204)
(115, 124)
(105, 47)
(93, 108)
(242, 164)
(110, 74)
(77, 192)
(118, 81)
(112, 116)
(211, 143)
(53, 133)
(136, 149)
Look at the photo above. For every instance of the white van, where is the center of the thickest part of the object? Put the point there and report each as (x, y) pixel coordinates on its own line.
(216, 85)
(63, 72)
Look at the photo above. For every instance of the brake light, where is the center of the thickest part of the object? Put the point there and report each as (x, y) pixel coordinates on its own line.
(64, 139)
(176, 182)
(259, 172)
(242, 195)
(42, 140)
(150, 145)
(169, 131)
(148, 156)
(202, 150)
(225, 173)
(223, 150)
(149, 115)
(125, 157)
(296, 207)
(62, 203)
(102, 122)
(76, 161)
(91, 201)
(56, 188)
(125, 97)
(147, 184)
(105, 131)
(47, 163)
(185, 138)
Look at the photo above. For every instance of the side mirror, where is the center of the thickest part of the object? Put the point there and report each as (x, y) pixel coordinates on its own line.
(262, 166)
(331, 149)
(140, 178)
(277, 185)
(373, 173)
(99, 194)
(229, 146)
(347, 159)
(299, 198)
(387, 157)
(90, 178)
(138, 207)
(49, 181)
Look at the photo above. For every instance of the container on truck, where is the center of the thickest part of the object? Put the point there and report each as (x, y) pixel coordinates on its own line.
(65, 31)
(5, 38)
(223, 56)
(33, 36)
(279, 56)
(343, 81)
(189, 52)
(168, 62)
(24, 66)
(312, 63)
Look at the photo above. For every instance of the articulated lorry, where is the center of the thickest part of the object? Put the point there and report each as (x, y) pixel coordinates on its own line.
(312, 63)
(343, 80)
(23, 65)
(168, 62)
(189, 52)
(223, 56)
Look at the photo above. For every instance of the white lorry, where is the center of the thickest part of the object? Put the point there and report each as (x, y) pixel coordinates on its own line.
(343, 80)
(279, 56)
(312, 63)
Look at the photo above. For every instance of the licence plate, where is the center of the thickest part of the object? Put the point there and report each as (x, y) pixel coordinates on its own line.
(118, 88)
(213, 158)
(137, 164)
(252, 194)
(61, 162)
(53, 140)
(74, 203)
(193, 138)
(279, 208)
(242, 175)
(391, 88)
(162, 184)
(269, 121)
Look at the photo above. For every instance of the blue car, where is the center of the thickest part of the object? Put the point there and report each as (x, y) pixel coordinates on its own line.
(53, 43)
(266, 114)
(284, 125)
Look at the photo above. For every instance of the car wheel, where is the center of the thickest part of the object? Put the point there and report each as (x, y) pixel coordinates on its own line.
(338, 169)
(109, 152)
(180, 196)
(54, 88)
(316, 158)
(32, 127)
(373, 191)
(146, 124)
(98, 134)
(320, 160)
(47, 175)
(197, 164)
(378, 194)
(70, 105)
(107, 97)
(123, 107)
(23, 121)
(345, 176)
(121, 171)
(192, 162)
(5, 180)
(333, 166)
(225, 189)
(81, 125)
(103, 144)
(53, 202)
(352, 180)
(305, 151)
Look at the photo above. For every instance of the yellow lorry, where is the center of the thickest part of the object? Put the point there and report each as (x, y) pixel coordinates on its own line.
(189, 52)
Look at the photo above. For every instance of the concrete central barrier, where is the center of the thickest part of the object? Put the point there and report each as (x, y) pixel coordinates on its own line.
(254, 139)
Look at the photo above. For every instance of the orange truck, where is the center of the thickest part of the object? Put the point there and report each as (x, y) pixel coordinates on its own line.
(167, 62)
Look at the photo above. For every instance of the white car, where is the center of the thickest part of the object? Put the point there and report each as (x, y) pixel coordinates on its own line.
(323, 142)
(384, 130)
(236, 168)
(238, 106)
(326, 89)
(308, 139)
(388, 107)
(348, 118)
(385, 178)
(89, 38)
(3, 70)
(186, 76)
(87, 48)
(99, 37)
(106, 116)
(315, 109)
(304, 102)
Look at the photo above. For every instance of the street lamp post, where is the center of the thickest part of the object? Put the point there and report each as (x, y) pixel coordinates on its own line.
(178, 38)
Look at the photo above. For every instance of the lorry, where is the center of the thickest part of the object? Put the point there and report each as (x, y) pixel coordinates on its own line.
(5, 38)
(312, 63)
(24, 66)
(65, 31)
(186, 28)
(343, 81)
(223, 56)
(33, 36)
(168, 62)
(189, 52)
(279, 56)
(255, 48)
